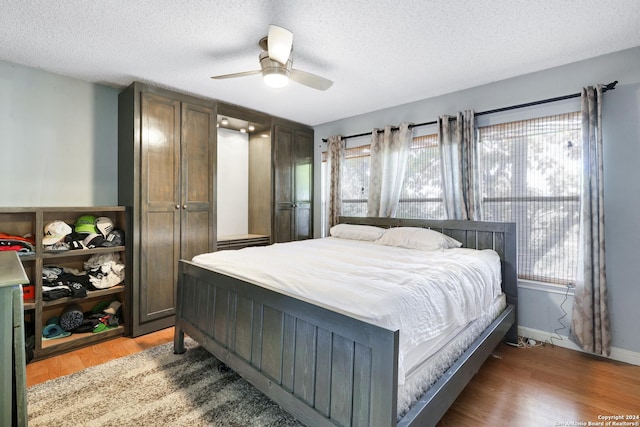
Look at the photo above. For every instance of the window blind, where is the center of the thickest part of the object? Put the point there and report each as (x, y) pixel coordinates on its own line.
(531, 174)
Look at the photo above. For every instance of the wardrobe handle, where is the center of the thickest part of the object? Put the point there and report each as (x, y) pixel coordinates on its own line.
(184, 206)
(177, 206)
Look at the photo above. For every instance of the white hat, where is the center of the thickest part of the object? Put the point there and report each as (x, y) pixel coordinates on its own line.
(104, 225)
(54, 232)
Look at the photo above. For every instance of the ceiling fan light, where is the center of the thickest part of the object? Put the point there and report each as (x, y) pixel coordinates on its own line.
(276, 80)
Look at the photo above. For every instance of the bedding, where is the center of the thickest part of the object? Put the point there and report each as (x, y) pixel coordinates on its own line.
(442, 355)
(426, 295)
(356, 232)
(418, 238)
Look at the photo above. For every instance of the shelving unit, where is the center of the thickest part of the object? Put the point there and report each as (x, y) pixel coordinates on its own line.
(31, 220)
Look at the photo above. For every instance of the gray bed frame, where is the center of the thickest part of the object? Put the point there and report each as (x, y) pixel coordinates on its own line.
(323, 367)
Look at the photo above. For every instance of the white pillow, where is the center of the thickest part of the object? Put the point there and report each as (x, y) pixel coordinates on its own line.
(418, 238)
(368, 233)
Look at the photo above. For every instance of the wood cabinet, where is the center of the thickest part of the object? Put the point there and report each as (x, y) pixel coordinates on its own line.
(37, 311)
(167, 180)
(166, 177)
(293, 183)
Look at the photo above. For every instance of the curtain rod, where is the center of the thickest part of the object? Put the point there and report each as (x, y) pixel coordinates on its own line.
(610, 86)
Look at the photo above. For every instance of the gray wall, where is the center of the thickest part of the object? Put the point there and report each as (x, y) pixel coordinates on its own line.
(58, 140)
(539, 308)
(58, 145)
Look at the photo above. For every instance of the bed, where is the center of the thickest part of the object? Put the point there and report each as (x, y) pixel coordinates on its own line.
(331, 365)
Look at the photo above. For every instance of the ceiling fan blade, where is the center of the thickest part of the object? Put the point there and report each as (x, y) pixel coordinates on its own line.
(309, 79)
(279, 43)
(232, 75)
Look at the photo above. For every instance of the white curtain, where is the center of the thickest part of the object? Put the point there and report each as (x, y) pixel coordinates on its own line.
(335, 151)
(590, 317)
(460, 166)
(389, 153)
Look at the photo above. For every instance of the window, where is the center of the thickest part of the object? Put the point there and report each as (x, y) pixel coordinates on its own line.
(421, 195)
(531, 174)
(355, 181)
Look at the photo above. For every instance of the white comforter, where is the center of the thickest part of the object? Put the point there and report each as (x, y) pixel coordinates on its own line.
(424, 294)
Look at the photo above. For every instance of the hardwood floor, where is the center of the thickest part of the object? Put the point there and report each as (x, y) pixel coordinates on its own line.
(546, 386)
(47, 369)
(540, 386)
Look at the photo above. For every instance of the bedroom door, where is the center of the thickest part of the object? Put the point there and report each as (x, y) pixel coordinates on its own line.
(293, 184)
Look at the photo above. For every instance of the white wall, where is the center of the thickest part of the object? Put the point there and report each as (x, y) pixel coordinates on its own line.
(58, 140)
(233, 182)
(539, 309)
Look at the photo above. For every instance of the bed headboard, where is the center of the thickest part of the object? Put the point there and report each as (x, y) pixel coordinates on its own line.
(499, 236)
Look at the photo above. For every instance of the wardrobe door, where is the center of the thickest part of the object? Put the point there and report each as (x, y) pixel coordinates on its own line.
(159, 205)
(283, 230)
(293, 184)
(303, 185)
(198, 178)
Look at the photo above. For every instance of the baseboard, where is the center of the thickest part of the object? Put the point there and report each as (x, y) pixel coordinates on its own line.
(618, 354)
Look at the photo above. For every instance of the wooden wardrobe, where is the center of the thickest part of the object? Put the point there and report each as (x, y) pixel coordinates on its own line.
(166, 176)
(167, 157)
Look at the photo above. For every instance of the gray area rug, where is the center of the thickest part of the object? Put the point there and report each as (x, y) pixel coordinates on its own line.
(154, 388)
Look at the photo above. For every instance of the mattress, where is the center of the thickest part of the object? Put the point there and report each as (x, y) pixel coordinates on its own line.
(429, 296)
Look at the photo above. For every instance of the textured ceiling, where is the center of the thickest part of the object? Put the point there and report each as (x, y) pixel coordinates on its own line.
(378, 53)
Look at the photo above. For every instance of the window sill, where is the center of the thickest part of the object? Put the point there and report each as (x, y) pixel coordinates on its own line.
(545, 287)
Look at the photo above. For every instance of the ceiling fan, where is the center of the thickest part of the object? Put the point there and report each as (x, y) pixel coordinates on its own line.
(276, 63)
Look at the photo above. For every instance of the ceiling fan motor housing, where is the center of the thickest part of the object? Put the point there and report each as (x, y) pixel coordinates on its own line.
(270, 66)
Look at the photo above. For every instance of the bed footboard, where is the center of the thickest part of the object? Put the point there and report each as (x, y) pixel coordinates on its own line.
(321, 366)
